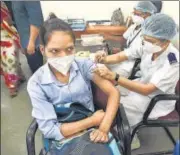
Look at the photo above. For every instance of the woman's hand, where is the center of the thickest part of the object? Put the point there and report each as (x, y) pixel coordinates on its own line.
(98, 117)
(99, 136)
(104, 72)
(100, 57)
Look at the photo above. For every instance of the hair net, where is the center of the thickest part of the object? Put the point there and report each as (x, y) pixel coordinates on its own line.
(159, 26)
(146, 6)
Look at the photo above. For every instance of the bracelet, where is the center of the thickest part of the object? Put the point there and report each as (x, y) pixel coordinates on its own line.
(117, 77)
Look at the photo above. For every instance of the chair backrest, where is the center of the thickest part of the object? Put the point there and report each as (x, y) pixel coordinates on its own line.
(99, 97)
(177, 88)
(177, 91)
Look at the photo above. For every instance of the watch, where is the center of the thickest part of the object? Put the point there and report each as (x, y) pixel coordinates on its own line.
(117, 77)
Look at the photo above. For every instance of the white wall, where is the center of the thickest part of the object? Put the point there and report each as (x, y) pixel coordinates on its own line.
(92, 10)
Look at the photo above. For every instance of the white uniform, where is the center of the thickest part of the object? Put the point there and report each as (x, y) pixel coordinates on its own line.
(163, 73)
(125, 68)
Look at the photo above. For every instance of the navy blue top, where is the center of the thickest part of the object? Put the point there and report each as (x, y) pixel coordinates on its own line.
(27, 13)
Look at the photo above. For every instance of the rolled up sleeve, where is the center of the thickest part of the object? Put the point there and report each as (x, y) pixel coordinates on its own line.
(44, 112)
(134, 52)
(50, 129)
(34, 12)
(128, 32)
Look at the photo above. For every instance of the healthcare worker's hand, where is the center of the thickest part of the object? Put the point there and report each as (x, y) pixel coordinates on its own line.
(100, 57)
(99, 136)
(98, 117)
(104, 72)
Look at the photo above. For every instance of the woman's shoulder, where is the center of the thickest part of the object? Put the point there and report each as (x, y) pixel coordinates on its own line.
(84, 62)
(37, 76)
(86, 67)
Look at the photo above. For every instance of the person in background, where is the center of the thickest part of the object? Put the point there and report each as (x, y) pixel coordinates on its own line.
(9, 6)
(28, 17)
(131, 37)
(158, 5)
(159, 67)
(175, 40)
(10, 48)
(65, 79)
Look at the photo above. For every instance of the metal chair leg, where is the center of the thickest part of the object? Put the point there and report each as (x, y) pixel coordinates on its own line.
(170, 135)
(30, 138)
(136, 129)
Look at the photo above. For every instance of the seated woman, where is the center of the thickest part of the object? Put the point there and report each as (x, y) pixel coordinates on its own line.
(65, 79)
(159, 67)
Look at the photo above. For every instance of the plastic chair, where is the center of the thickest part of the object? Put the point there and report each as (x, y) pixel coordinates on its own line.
(120, 129)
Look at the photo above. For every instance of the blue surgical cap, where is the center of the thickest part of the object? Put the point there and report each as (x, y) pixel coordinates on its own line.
(146, 6)
(159, 26)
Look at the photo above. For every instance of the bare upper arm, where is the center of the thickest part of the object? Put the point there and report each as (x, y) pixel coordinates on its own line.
(106, 86)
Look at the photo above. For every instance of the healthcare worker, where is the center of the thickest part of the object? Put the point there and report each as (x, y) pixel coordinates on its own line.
(131, 37)
(158, 4)
(159, 66)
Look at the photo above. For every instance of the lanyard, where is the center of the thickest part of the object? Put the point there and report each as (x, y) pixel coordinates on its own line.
(129, 42)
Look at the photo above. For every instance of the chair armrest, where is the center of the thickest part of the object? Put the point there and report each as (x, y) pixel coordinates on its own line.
(155, 100)
(124, 131)
(30, 137)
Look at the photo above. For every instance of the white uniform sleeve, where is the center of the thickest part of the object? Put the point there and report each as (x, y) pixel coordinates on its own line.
(135, 51)
(166, 77)
(128, 32)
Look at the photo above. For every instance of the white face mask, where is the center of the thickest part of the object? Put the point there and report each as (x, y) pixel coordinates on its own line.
(151, 48)
(137, 19)
(61, 64)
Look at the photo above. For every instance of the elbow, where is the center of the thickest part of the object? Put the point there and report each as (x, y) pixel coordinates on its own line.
(50, 130)
(145, 92)
(64, 131)
(115, 94)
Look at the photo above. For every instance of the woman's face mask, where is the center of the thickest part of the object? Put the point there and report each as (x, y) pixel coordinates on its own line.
(61, 64)
(151, 48)
(59, 51)
(137, 19)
